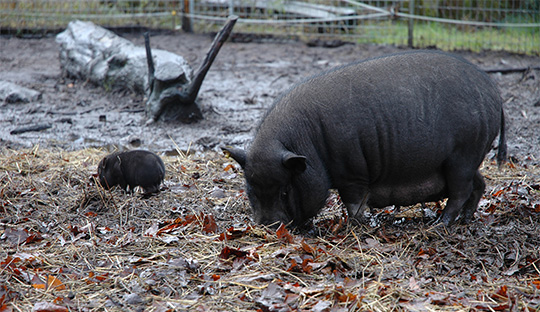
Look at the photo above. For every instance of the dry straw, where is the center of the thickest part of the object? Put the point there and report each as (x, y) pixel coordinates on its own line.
(68, 245)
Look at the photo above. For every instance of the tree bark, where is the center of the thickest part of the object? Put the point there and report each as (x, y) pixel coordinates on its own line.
(169, 99)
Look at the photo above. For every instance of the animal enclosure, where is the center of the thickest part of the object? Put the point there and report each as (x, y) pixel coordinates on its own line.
(68, 245)
(510, 25)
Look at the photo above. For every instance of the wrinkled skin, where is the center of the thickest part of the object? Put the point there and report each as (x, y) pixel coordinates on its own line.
(133, 168)
(396, 130)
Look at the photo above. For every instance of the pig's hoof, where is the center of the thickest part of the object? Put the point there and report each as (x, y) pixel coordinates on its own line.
(361, 220)
(465, 220)
(446, 220)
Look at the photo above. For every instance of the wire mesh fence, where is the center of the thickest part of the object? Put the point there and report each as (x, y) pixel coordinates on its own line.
(510, 25)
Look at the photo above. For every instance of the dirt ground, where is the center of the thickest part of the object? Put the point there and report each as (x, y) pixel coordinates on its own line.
(68, 245)
(240, 86)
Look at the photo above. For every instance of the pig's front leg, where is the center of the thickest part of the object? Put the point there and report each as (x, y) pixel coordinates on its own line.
(356, 201)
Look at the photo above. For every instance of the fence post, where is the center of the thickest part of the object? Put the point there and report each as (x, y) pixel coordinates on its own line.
(186, 20)
(231, 7)
(410, 40)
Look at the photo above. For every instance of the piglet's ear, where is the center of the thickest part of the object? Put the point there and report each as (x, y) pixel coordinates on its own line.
(237, 154)
(103, 163)
(294, 162)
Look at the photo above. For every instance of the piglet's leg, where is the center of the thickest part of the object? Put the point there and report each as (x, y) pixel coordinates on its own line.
(152, 189)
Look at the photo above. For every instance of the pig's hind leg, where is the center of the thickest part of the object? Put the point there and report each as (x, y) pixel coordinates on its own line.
(460, 186)
(479, 186)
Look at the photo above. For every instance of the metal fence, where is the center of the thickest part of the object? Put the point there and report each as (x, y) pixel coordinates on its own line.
(510, 25)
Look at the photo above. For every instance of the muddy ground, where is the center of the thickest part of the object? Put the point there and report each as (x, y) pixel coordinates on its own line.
(67, 245)
(239, 88)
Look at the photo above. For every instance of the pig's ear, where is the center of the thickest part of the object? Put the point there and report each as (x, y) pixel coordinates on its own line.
(103, 163)
(237, 154)
(117, 166)
(294, 162)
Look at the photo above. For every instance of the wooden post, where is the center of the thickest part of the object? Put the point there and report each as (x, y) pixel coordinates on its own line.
(410, 41)
(186, 21)
(231, 7)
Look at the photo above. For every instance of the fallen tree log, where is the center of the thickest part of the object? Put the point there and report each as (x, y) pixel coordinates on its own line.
(90, 52)
(293, 8)
(511, 70)
(32, 128)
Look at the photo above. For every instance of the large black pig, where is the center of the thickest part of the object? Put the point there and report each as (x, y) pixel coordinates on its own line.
(394, 130)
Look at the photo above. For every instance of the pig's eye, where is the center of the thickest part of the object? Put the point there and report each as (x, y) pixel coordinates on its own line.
(285, 192)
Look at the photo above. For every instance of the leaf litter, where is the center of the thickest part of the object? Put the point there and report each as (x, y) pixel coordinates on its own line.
(68, 245)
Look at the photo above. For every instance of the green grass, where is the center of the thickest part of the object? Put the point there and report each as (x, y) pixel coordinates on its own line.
(53, 14)
(452, 37)
(441, 36)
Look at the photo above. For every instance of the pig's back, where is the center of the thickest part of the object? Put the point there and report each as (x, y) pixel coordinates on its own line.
(402, 111)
